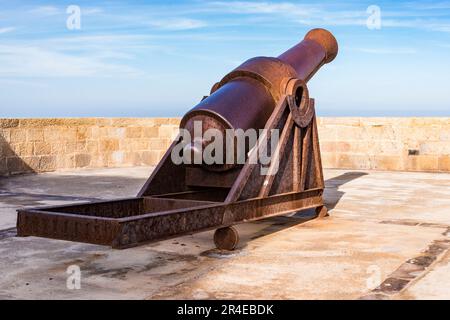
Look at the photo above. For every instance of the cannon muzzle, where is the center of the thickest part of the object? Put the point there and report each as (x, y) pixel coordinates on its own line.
(246, 97)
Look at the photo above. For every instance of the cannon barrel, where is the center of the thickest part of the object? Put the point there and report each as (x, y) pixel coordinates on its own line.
(247, 96)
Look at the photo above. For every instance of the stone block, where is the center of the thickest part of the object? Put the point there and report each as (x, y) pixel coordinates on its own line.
(150, 132)
(133, 158)
(17, 165)
(18, 135)
(327, 133)
(352, 161)
(329, 160)
(83, 133)
(42, 148)
(151, 158)
(158, 144)
(435, 148)
(349, 133)
(23, 149)
(9, 123)
(117, 132)
(381, 132)
(133, 132)
(35, 134)
(3, 167)
(47, 163)
(387, 162)
(92, 146)
(384, 147)
(82, 160)
(168, 132)
(444, 163)
(422, 163)
(70, 146)
(68, 133)
(340, 121)
(64, 161)
(5, 135)
(118, 157)
(109, 144)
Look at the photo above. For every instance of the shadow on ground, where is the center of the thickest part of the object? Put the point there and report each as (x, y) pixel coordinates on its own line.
(39, 190)
(331, 198)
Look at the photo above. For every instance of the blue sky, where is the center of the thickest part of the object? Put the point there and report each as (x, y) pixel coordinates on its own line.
(158, 58)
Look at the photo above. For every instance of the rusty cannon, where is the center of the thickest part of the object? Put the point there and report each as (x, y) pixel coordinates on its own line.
(267, 95)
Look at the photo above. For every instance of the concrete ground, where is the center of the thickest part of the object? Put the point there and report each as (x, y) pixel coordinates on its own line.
(387, 237)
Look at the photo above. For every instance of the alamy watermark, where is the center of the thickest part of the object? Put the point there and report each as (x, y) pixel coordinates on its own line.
(375, 277)
(214, 147)
(73, 21)
(373, 22)
(74, 277)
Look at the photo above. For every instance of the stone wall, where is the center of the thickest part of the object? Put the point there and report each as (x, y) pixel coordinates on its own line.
(397, 144)
(41, 145)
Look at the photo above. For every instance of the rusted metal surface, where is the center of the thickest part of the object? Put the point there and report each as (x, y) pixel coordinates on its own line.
(180, 199)
(226, 238)
(247, 96)
(96, 226)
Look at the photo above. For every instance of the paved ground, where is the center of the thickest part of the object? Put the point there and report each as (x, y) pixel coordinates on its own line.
(388, 237)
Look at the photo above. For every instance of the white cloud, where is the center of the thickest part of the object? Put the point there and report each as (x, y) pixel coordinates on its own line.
(46, 10)
(410, 15)
(91, 11)
(30, 61)
(7, 29)
(178, 24)
(265, 8)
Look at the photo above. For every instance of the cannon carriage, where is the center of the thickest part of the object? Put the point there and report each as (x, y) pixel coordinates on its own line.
(179, 199)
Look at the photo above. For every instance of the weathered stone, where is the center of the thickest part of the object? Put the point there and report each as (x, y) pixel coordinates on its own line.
(83, 133)
(168, 132)
(52, 134)
(35, 134)
(151, 158)
(117, 157)
(3, 167)
(17, 165)
(64, 161)
(354, 161)
(5, 135)
(435, 148)
(68, 133)
(116, 132)
(158, 144)
(133, 132)
(9, 123)
(382, 162)
(133, 158)
(42, 148)
(47, 163)
(444, 163)
(357, 143)
(32, 163)
(82, 160)
(150, 132)
(70, 146)
(18, 135)
(22, 149)
(110, 144)
(92, 146)
(422, 163)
